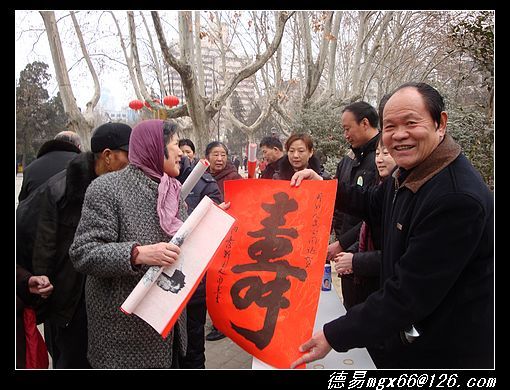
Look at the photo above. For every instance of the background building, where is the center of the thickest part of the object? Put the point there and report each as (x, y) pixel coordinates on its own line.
(214, 82)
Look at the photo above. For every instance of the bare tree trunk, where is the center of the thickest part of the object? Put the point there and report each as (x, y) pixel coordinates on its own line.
(286, 119)
(369, 60)
(89, 114)
(298, 38)
(157, 68)
(331, 88)
(77, 121)
(129, 60)
(195, 102)
(266, 107)
(356, 71)
(314, 69)
(248, 130)
(198, 54)
(136, 58)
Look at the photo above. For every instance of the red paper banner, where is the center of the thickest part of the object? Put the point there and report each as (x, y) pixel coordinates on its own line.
(264, 282)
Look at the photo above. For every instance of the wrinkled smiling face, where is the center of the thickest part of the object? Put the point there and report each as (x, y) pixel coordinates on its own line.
(171, 164)
(409, 132)
(218, 159)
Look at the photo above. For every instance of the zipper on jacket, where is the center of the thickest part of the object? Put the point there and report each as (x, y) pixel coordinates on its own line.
(394, 194)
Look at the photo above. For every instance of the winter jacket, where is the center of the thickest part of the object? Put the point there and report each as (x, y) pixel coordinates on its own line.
(361, 171)
(27, 215)
(228, 173)
(271, 168)
(437, 266)
(53, 156)
(59, 214)
(120, 211)
(205, 186)
(366, 265)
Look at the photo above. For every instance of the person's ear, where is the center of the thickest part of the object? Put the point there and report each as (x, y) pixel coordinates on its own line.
(107, 153)
(442, 125)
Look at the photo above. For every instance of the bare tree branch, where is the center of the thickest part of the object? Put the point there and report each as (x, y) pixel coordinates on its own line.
(250, 69)
(91, 104)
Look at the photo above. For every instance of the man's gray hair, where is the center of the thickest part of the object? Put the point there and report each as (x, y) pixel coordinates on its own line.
(69, 136)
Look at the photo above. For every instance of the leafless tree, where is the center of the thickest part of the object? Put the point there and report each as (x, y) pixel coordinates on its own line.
(201, 109)
(81, 123)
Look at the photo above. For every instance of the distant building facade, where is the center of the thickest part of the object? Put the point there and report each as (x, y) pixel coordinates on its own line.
(214, 82)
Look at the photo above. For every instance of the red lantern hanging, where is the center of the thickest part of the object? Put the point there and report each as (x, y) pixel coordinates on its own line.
(171, 101)
(135, 104)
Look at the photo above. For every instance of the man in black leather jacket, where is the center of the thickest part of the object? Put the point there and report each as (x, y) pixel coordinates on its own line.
(359, 121)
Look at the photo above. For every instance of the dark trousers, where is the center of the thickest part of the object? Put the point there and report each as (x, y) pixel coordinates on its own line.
(68, 345)
(196, 317)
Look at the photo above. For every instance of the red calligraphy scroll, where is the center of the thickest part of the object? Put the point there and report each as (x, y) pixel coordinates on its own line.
(263, 284)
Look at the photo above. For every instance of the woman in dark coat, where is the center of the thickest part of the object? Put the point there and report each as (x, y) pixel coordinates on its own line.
(221, 168)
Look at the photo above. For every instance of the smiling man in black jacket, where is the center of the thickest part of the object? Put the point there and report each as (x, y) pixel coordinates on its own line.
(436, 306)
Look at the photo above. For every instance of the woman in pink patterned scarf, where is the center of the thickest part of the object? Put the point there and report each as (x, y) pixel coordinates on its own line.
(128, 219)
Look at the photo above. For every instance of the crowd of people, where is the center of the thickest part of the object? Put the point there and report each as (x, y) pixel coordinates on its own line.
(412, 228)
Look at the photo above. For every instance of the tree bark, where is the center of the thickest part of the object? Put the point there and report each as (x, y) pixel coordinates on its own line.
(89, 114)
(198, 54)
(77, 121)
(136, 59)
(157, 68)
(129, 60)
(314, 69)
(330, 91)
(202, 110)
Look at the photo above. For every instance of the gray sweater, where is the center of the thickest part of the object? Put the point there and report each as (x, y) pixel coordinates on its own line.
(119, 211)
